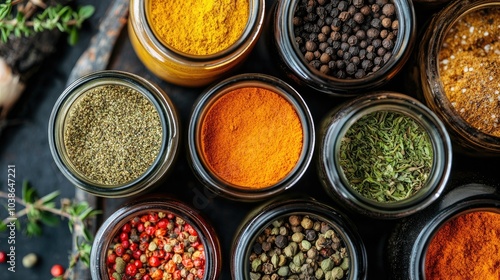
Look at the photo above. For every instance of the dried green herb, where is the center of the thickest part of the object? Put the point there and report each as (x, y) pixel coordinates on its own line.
(112, 134)
(386, 156)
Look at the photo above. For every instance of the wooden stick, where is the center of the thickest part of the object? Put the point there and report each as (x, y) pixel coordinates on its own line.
(96, 58)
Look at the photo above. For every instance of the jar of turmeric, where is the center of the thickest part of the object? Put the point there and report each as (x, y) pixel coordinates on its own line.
(343, 48)
(250, 137)
(193, 43)
(441, 241)
(458, 72)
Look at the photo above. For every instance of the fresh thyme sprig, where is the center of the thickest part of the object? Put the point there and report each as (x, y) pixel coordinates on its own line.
(44, 211)
(26, 21)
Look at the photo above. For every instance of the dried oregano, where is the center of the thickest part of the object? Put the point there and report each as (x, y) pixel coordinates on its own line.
(386, 156)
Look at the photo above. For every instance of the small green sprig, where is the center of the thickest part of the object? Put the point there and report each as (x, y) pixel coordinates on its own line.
(37, 211)
(25, 22)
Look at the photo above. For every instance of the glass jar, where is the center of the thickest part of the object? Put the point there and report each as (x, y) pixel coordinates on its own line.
(114, 226)
(410, 239)
(468, 138)
(232, 189)
(185, 69)
(168, 140)
(297, 68)
(267, 214)
(333, 130)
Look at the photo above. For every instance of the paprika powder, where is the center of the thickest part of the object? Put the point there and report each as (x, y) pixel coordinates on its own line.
(251, 137)
(466, 247)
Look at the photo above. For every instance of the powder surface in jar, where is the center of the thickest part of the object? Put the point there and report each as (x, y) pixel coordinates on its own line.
(469, 66)
(251, 137)
(112, 134)
(467, 247)
(198, 27)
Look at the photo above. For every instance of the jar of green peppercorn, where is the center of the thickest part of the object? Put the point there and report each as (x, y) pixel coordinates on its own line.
(297, 238)
(114, 134)
(384, 155)
(343, 48)
(156, 237)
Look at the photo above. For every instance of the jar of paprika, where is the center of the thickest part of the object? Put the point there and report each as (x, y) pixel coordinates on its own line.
(437, 242)
(156, 236)
(193, 43)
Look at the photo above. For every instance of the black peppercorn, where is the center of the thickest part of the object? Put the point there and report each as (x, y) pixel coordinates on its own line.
(343, 5)
(281, 241)
(311, 46)
(388, 44)
(359, 18)
(352, 40)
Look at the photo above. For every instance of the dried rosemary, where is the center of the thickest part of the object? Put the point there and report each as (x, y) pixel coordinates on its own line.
(386, 156)
(112, 134)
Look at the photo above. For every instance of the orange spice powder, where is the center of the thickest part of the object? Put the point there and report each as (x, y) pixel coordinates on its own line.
(467, 247)
(251, 137)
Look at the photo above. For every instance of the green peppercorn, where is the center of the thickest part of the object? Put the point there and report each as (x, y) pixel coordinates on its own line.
(283, 271)
(120, 265)
(305, 245)
(337, 273)
(319, 274)
(263, 257)
(254, 276)
(297, 237)
(117, 276)
(306, 223)
(345, 263)
(299, 259)
(327, 264)
(256, 265)
(274, 260)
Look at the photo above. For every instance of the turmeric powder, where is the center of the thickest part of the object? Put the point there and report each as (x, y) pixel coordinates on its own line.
(198, 27)
(251, 137)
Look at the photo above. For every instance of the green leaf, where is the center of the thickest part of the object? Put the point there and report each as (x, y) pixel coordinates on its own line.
(73, 36)
(33, 229)
(49, 219)
(29, 194)
(3, 226)
(49, 197)
(85, 12)
(87, 235)
(89, 212)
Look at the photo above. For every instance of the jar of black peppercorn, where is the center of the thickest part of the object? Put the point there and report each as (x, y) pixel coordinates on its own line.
(343, 47)
(462, 225)
(384, 155)
(156, 236)
(457, 70)
(297, 237)
(114, 134)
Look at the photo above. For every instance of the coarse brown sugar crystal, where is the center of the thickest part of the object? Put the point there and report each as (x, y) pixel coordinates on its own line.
(469, 62)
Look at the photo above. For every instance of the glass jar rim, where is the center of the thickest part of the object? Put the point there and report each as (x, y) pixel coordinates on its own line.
(445, 20)
(402, 49)
(252, 29)
(272, 210)
(152, 203)
(424, 239)
(204, 103)
(410, 107)
(161, 103)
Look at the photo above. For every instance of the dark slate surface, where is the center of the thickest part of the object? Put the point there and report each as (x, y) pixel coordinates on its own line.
(25, 146)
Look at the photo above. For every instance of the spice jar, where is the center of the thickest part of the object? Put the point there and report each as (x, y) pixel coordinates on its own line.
(207, 41)
(472, 212)
(457, 62)
(297, 237)
(156, 236)
(250, 137)
(384, 155)
(343, 48)
(114, 134)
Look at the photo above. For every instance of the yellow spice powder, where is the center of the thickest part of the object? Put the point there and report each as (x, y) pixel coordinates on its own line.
(198, 27)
